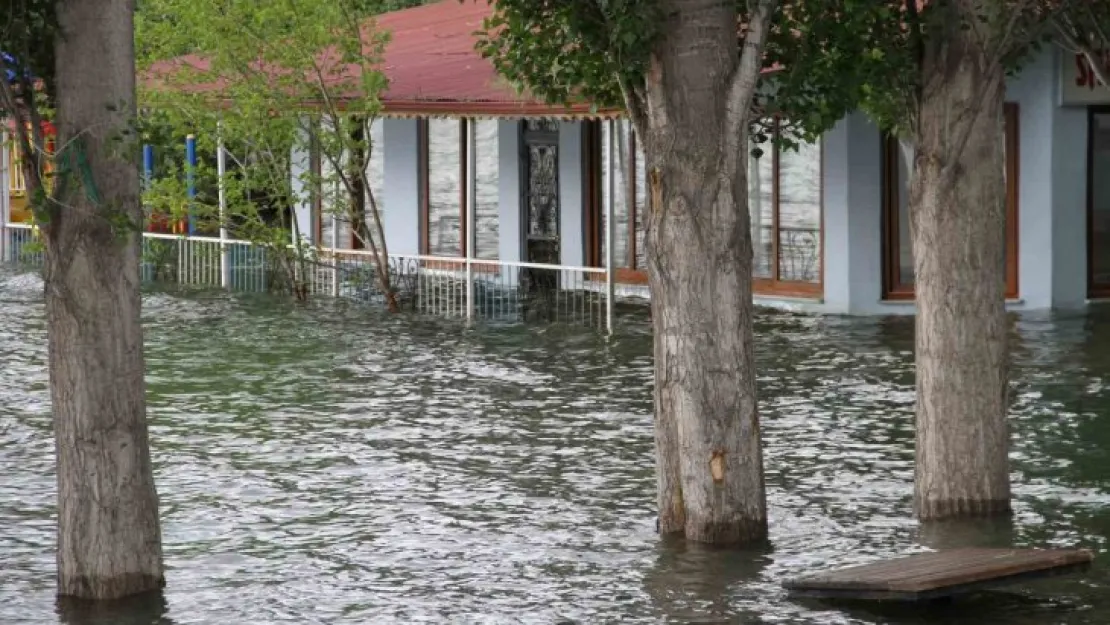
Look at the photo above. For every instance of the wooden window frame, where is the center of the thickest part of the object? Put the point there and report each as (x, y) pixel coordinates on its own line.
(316, 197)
(423, 182)
(775, 285)
(893, 288)
(1094, 291)
(594, 220)
(592, 167)
(424, 173)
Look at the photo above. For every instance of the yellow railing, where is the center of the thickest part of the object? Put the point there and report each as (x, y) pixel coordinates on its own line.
(17, 185)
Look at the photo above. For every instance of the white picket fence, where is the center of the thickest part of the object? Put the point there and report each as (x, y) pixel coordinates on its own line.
(476, 290)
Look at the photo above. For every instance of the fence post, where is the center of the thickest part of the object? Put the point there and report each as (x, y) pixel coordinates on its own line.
(5, 202)
(334, 255)
(148, 213)
(191, 179)
(471, 209)
(221, 170)
(609, 234)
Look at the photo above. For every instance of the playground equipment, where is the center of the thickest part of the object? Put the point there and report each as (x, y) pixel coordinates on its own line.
(19, 209)
(160, 222)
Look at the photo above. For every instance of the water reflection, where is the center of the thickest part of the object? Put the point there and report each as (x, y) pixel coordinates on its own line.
(327, 464)
(691, 583)
(967, 533)
(146, 609)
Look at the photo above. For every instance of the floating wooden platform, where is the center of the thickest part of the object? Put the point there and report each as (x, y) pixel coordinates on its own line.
(939, 574)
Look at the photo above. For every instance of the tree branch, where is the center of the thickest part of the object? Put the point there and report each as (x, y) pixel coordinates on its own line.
(634, 103)
(745, 77)
(1072, 38)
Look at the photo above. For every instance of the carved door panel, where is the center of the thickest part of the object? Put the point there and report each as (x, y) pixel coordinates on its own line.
(540, 207)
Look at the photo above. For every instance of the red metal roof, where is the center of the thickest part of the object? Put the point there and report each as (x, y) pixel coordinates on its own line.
(432, 66)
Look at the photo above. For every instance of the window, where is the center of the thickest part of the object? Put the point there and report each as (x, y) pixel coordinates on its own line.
(332, 202)
(443, 162)
(375, 175)
(785, 205)
(898, 271)
(443, 157)
(1098, 202)
(630, 199)
(784, 194)
(486, 190)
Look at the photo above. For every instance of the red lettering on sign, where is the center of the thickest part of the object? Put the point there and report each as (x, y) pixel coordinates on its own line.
(1085, 73)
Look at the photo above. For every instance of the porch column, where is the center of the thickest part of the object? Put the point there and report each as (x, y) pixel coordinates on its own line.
(571, 194)
(509, 191)
(853, 256)
(5, 199)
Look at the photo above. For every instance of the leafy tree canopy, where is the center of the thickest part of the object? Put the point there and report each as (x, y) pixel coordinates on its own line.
(825, 57)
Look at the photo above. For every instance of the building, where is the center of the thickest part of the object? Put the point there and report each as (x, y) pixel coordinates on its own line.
(829, 221)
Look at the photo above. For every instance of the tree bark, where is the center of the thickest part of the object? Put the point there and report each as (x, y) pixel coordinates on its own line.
(109, 536)
(957, 221)
(708, 447)
(358, 163)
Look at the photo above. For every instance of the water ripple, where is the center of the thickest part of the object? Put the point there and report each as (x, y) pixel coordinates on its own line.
(328, 464)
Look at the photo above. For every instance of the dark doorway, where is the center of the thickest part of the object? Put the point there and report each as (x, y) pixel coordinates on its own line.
(1098, 203)
(540, 215)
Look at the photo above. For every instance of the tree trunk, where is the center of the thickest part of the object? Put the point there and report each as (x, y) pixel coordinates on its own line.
(957, 221)
(708, 447)
(360, 230)
(109, 537)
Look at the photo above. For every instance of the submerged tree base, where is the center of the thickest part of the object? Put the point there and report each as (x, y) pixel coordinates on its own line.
(942, 509)
(735, 533)
(118, 587)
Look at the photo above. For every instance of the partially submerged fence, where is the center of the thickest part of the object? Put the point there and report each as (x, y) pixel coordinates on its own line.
(472, 289)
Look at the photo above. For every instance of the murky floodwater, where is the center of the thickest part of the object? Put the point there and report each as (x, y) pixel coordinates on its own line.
(332, 465)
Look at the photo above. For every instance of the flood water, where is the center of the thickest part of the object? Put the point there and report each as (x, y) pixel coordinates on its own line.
(330, 464)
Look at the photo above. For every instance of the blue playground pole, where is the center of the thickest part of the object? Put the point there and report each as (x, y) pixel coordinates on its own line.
(190, 178)
(148, 171)
(148, 164)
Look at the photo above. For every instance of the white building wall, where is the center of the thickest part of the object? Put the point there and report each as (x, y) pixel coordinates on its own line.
(509, 155)
(1052, 201)
(1052, 196)
(571, 195)
(852, 217)
(1052, 255)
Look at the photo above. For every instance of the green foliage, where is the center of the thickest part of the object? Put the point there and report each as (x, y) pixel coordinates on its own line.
(598, 51)
(28, 35)
(26, 98)
(830, 56)
(277, 77)
(571, 51)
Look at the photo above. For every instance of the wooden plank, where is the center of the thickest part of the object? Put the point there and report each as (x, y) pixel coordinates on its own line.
(939, 573)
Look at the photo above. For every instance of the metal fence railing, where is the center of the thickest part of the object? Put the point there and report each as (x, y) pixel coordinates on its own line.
(485, 290)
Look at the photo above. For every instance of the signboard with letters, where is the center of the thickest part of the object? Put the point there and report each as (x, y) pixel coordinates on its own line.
(1078, 84)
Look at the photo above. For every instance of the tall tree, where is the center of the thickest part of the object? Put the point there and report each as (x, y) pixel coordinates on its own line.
(109, 536)
(957, 223)
(930, 72)
(933, 73)
(305, 77)
(673, 64)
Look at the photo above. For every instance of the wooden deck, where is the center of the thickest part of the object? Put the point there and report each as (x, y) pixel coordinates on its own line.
(939, 574)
